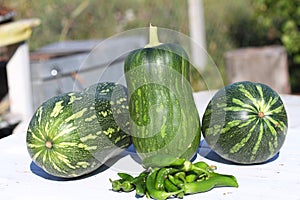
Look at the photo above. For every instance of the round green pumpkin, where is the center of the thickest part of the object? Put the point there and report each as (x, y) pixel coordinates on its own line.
(245, 122)
(72, 134)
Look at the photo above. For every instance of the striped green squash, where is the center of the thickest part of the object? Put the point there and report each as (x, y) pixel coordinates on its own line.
(165, 120)
(245, 122)
(74, 133)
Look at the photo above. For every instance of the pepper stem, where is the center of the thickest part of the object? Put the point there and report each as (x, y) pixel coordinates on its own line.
(153, 37)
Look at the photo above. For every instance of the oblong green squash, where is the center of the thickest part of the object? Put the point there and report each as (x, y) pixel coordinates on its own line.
(245, 123)
(74, 133)
(164, 117)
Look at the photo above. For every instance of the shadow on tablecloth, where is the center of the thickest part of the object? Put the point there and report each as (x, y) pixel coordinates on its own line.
(43, 174)
(206, 152)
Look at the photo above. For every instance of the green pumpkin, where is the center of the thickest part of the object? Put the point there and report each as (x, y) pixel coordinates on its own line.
(245, 123)
(74, 133)
(164, 117)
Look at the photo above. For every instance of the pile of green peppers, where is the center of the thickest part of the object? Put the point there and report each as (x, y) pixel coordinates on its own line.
(180, 178)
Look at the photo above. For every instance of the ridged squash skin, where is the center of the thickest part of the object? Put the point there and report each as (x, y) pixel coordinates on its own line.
(245, 122)
(164, 117)
(74, 133)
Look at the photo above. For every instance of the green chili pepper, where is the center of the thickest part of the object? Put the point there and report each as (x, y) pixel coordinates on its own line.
(125, 177)
(180, 195)
(205, 166)
(177, 162)
(175, 181)
(160, 178)
(162, 174)
(189, 166)
(127, 186)
(216, 180)
(140, 188)
(202, 165)
(140, 184)
(116, 185)
(222, 180)
(153, 192)
(140, 177)
(191, 177)
(170, 187)
(202, 177)
(123, 184)
(180, 176)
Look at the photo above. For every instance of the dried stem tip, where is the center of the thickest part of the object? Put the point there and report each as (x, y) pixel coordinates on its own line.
(261, 114)
(48, 144)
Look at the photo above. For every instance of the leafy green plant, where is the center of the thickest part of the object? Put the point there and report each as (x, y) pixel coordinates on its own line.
(284, 17)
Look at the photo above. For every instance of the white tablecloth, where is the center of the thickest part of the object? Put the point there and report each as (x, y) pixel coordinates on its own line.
(277, 179)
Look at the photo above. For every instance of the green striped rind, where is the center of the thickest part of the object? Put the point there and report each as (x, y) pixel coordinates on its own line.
(54, 122)
(70, 124)
(233, 128)
(164, 117)
(110, 104)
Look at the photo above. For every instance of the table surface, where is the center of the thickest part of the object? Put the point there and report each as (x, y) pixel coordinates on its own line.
(279, 178)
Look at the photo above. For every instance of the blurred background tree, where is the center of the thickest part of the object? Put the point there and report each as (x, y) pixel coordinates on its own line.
(229, 24)
(98, 19)
(281, 20)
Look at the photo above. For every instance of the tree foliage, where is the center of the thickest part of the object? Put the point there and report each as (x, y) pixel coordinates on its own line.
(283, 17)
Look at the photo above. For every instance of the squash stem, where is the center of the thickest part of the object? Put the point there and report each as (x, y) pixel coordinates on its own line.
(153, 37)
(48, 144)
